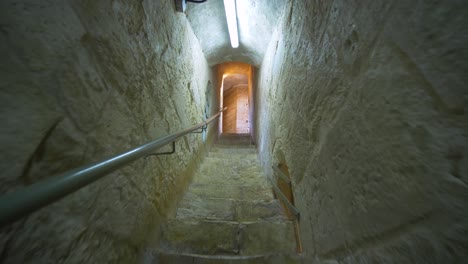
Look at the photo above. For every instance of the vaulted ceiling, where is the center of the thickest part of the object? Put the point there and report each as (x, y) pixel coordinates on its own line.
(256, 20)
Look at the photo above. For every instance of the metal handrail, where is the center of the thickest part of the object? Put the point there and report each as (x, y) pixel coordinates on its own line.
(281, 174)
(292, 208)
(16, 205)
(280, 194)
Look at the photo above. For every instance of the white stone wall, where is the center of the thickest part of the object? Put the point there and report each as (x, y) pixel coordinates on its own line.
(366, 103)
(82, 81)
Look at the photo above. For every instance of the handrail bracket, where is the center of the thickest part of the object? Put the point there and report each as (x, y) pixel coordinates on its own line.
(164, 153)
(202, 129)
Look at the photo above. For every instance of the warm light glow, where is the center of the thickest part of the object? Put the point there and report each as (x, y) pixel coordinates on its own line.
(231, 16)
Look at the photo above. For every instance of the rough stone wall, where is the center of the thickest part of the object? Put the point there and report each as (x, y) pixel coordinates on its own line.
(82, 81)
(366, 103)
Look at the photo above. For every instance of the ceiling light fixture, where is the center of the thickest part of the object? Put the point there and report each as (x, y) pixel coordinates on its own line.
(231, 16)
(181, 5)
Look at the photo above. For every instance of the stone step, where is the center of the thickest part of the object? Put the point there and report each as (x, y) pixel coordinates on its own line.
(233, 160)
(225, 154)
(195, 207)
(228, 238)
(228, 214)
(234, 139)
(238, 154)
(240, 158)
(230, 171)
(247, 211)
(233, 149)
(246, 176)
(171, 258)
(232, 191)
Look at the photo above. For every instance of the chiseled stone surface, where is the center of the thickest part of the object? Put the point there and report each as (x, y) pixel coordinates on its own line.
(84, 80)
(246, 222)
(366, 103)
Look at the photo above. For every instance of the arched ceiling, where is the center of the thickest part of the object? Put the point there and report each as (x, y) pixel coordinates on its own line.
(255, 20)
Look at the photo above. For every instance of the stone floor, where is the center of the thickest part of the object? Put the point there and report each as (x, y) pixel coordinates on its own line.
(228, 214)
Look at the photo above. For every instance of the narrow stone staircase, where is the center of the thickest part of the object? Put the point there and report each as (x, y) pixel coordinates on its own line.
(228, 214)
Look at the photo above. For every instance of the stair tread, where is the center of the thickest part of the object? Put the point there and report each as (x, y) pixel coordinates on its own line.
(171, 257)
(228, 237)
(228, 210)
(234, 191)
(195, 207)
(244, 140)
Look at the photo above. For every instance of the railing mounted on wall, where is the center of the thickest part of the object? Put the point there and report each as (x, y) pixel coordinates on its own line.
(281, 174)
(292, 209)
(18, 204)
(281, 195)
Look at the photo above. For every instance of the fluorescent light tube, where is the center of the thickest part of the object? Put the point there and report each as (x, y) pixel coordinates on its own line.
(231, 16)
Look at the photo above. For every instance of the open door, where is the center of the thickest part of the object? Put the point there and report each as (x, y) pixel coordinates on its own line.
(236, 93)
